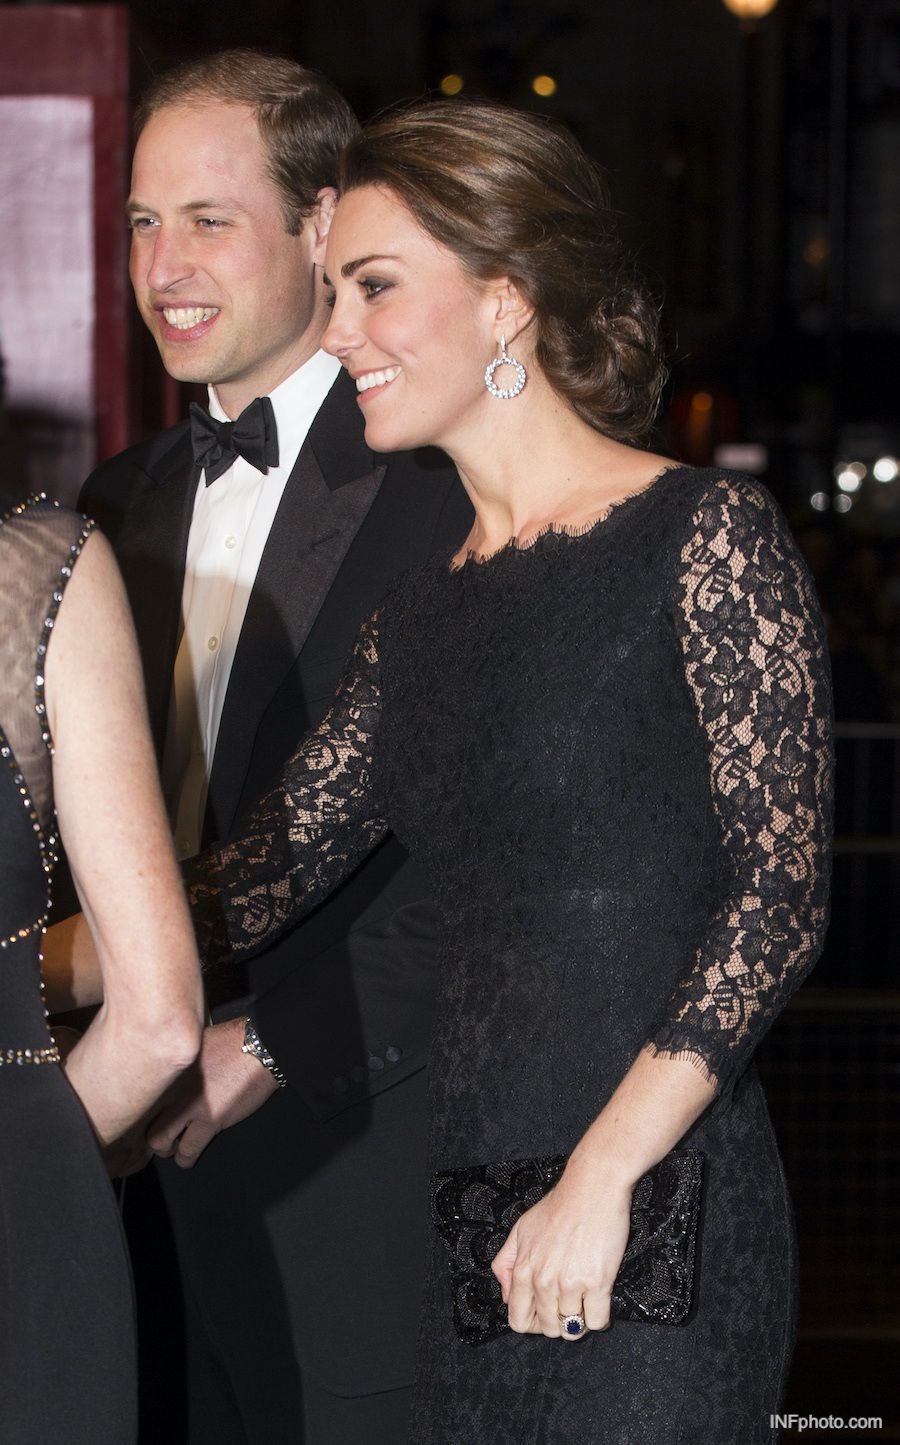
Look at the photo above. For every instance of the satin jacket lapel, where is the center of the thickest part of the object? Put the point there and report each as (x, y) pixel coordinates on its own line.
(333, 484)
(152, 549)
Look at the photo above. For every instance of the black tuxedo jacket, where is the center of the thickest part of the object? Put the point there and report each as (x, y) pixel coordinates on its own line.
(344, 1002)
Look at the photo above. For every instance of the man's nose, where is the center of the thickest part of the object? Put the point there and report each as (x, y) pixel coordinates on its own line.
(170, 261)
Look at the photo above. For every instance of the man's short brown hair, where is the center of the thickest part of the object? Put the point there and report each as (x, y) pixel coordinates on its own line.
(303, 120)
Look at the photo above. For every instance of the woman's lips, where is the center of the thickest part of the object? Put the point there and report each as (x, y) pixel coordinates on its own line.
(370, 383)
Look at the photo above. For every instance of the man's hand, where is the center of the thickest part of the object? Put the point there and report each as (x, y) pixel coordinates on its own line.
(127, 1155)
(221, 1088)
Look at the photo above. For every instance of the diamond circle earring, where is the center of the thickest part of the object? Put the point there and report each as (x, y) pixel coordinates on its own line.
(504, 392)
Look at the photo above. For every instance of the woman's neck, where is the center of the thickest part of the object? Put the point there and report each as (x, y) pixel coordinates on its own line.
(539, 466)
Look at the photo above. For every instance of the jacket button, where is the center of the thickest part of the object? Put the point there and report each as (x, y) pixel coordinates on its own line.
(358, 1075)
(375, 1064)
(393, 1054)
(341, 1085)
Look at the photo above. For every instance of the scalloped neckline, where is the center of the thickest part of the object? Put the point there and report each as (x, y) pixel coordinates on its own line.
(537, 545)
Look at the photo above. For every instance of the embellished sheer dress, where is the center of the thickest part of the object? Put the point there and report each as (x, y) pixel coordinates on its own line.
(67, 1368)
(612, 750)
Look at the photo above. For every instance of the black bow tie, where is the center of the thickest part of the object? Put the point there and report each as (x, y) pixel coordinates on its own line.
(216, 444)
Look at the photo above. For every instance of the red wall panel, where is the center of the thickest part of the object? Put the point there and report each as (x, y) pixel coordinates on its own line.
(64, 140)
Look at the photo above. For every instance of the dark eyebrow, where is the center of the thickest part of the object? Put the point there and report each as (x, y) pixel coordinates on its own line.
(353, 266)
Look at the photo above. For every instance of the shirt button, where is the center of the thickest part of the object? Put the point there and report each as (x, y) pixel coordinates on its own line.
(230, 541)
(375, 1063)
(213, 643)
(393, 1054)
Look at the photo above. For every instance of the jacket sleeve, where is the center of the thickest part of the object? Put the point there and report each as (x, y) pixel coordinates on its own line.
(356, 1019)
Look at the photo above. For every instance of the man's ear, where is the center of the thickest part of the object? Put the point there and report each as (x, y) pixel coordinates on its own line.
(326, 200)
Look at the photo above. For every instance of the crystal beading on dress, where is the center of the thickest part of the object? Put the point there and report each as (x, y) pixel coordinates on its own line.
(44, 832)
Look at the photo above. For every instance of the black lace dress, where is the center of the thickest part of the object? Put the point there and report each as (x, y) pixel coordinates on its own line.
(67, 1359)
(613, 752)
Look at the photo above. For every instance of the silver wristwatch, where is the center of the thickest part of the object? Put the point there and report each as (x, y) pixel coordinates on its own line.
(254, 1045)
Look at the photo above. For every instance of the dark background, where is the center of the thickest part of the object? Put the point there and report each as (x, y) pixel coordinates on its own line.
(757, 170)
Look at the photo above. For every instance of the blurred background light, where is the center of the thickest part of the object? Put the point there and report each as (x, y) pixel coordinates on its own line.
(750, 9)
(843, 503)
(452, 84)
(885, 469)
(815, 252)
(749, 457)
(849, 481)
(544, 85)
(820, 501)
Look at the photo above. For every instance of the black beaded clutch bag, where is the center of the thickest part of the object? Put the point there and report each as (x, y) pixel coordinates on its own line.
(474, 1209)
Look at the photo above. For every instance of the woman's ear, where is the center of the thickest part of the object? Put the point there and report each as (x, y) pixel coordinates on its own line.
(514, 311)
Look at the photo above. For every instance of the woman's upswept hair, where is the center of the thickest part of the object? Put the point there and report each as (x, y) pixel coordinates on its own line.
(514, 195)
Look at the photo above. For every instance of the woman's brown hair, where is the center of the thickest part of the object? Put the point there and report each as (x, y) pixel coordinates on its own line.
(514, 195)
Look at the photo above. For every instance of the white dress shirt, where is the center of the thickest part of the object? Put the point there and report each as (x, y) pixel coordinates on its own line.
(229, 529)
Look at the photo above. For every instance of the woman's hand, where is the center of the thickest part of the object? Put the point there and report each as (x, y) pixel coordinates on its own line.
(563, 1255)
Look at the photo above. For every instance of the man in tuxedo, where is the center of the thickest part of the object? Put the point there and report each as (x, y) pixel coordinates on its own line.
(253, 541)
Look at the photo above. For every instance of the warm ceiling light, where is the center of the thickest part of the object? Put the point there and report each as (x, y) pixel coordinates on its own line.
(750, 9)
(452, 84)
(543, 85)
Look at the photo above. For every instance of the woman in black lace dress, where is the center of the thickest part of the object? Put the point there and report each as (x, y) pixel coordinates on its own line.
(75, 756)
(605, 728)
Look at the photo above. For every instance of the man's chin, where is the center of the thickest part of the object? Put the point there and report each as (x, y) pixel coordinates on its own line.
(183, 366)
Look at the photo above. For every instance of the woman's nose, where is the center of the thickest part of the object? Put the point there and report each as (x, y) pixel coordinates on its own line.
(341, 336)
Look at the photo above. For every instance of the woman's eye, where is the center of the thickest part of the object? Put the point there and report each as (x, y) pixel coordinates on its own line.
(373, 286)
(330, 298)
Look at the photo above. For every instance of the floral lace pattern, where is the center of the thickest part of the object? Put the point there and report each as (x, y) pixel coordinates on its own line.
(756, 665)
(304, 836)
(613, 753)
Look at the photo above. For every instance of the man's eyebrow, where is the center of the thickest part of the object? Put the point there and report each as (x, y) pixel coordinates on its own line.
(135, 206)
(353, 266)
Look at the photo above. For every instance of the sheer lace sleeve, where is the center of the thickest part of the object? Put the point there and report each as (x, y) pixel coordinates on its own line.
(305, 835)
(756, 664)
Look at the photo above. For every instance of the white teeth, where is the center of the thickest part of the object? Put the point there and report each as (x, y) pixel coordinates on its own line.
(377, 378)
(184, 317)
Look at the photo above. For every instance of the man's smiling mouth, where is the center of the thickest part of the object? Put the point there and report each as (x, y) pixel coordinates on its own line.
(185, 318)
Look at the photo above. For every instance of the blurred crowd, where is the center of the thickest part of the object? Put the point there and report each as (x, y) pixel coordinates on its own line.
(858, 582)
